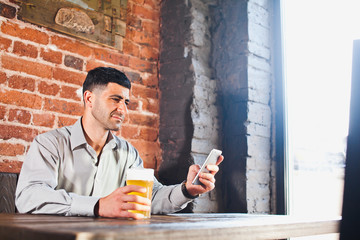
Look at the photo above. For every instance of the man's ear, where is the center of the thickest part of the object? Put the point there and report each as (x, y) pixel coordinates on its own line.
(88, 98)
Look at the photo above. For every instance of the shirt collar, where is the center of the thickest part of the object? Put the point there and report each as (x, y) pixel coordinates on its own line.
(77, 135)
(111, 142)
(78, 138)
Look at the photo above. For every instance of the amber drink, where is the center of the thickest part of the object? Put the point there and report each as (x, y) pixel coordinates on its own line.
(142, 177)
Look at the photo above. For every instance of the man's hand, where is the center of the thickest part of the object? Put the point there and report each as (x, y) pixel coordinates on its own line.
(207, 179)
(119, 202)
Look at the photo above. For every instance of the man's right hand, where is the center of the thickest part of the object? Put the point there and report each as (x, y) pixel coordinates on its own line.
(119, 202)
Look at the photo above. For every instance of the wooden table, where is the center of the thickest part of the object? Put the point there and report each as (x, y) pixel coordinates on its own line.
(174, 226)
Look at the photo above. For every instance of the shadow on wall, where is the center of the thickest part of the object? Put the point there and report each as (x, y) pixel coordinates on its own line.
(233, 182)
(177, 151)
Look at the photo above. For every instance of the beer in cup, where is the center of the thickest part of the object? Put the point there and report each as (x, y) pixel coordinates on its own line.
(142, 177)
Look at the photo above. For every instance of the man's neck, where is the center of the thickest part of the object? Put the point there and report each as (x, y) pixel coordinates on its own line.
(95, 137)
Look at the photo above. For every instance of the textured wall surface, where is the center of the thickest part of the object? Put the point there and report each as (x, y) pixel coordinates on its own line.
(189, 119)
(242, 62)
(176, 83)
(41, 72)
(215, 83)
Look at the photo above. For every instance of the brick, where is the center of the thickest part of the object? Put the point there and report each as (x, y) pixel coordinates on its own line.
(9, 149)
(27, 50)
(144, 38)
(66, 121)
(51, 56)
(133, 105)
(61, 106)
(7, 11)
(144, 92)
(69, 76)
(74, 62)
(51, 89)
(5, 43)
(30, 34)
(129, 47)
(144, 120)
(44, 119)
(10, 166)
(151, 80)
(149, 160)
(93, 64)
(146, 147)
(140, 2)
(133, 21)
(71, 46)
(17, 132)
(3, 77)
(149, 134)
(29, 67)
(2, 112)
(142, 65)
(19, 82)
(145, 13)
(20, 99)
(151, 28)
(130, 132)
(69, 93)
(149, 53)
(150, 106)
(19, 115)
(127, 120)
(111, 57)
(153, 4)
(133, 77)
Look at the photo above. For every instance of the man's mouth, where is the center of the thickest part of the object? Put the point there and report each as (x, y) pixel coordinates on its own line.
(118, 117)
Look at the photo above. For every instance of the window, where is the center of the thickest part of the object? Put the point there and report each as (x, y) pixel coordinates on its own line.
(318, 40)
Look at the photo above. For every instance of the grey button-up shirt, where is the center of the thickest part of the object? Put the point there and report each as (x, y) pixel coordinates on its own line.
(62, 175)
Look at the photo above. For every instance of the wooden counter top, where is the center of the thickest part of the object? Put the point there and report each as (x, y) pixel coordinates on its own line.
(174, 226)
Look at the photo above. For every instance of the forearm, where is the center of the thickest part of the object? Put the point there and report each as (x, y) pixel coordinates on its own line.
(41, 199)
(168, 199)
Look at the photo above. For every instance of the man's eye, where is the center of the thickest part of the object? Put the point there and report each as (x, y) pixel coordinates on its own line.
(127, 103)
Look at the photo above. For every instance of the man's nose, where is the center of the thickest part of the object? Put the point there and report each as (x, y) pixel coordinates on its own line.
(122, 107)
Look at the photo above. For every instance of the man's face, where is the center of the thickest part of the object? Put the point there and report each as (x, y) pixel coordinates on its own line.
(110, 105)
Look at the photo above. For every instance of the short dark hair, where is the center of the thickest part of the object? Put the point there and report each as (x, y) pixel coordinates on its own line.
(101, 76)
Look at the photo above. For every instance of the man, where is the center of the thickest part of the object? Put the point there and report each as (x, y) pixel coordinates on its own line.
(81, 169)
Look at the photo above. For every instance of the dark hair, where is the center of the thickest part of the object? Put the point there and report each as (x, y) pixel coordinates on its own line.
(101, 76)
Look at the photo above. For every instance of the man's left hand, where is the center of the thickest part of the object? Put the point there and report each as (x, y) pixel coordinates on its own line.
(207, 179)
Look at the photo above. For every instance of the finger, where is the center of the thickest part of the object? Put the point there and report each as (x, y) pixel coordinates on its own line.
(207, 184)
(133, 188)
(136, 216)
(213, 169)
(137, 199)
(126, 214)
(220, 159)
(135, 206)
(194, 168)
(208, 177)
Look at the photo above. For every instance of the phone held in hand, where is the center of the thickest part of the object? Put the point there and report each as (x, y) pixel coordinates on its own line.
(210, 160)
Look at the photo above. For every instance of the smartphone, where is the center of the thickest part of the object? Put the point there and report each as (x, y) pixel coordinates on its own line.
(211, 159)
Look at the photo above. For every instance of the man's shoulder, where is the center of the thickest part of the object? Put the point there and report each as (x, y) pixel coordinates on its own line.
(124, 144)
(55, 135)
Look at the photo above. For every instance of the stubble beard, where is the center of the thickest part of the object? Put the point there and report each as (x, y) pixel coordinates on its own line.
(108, 123)
(118, 125)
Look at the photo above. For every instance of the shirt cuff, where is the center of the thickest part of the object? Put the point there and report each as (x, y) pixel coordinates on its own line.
(177, 197)
(83, 205)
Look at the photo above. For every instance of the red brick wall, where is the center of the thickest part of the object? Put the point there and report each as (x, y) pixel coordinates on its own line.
(41, 70)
